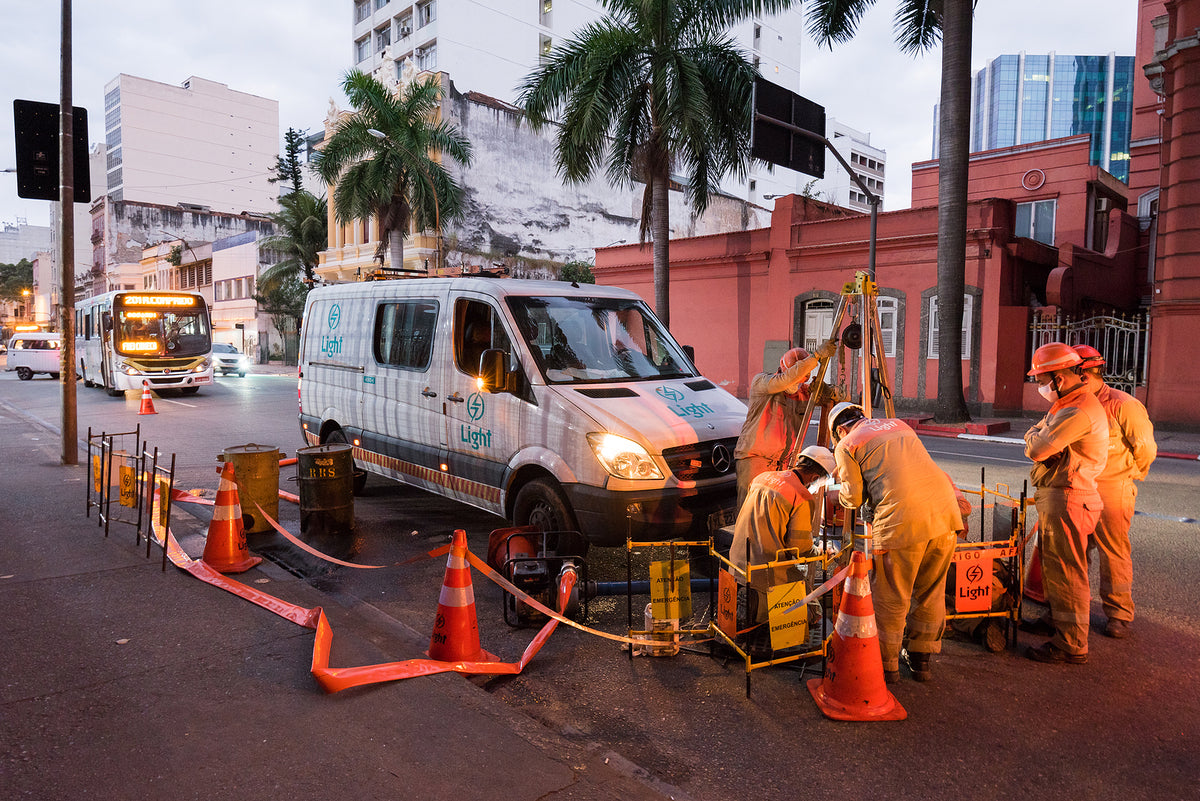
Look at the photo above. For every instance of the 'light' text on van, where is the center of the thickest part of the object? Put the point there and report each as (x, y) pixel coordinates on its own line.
(475, 437)
(692, 410)
(331, 346)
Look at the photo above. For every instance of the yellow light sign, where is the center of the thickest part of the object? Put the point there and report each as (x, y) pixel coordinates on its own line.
(27, 327)
(141, 315)
(159, 300)
(139, 345)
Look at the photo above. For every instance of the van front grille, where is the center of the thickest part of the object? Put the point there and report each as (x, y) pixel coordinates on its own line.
(704, 460)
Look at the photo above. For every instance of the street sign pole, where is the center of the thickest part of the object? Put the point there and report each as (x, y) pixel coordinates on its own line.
(66, 251)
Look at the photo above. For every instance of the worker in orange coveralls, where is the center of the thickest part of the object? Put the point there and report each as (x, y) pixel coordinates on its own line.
(1069, 448)
(774, 416)
(914, 519)
(779, 513)
(1131, 451)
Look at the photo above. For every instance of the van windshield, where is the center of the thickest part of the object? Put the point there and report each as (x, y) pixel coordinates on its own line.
(577, 340)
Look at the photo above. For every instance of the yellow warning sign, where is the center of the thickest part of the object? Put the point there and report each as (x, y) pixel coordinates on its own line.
(788, 629)
(128, 496)
(727, 597)
(670, 590)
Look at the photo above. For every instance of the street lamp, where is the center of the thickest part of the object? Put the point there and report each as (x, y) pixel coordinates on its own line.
(25, 293)
(437, 214)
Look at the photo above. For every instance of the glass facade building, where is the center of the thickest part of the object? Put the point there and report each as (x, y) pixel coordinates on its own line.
(1019, 99)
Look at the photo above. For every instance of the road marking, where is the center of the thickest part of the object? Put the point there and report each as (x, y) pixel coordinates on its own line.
(1172, 518)
(977, 456)
(178, 403)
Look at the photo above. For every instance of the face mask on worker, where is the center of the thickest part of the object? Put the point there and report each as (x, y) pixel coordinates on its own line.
(1049, 391)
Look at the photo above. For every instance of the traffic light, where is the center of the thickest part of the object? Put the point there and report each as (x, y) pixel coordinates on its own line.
(36, 128)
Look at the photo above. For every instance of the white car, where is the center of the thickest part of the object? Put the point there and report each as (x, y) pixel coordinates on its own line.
(228, 359)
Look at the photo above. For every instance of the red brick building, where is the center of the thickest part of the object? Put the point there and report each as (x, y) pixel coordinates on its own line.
(1045, 231)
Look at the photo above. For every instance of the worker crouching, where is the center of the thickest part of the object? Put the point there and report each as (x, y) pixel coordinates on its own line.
(779, 512)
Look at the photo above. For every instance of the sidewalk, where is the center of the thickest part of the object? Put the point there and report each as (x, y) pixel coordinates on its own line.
(122, 681)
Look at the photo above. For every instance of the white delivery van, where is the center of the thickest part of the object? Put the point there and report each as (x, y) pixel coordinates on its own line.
(33, 353)
(589, 417)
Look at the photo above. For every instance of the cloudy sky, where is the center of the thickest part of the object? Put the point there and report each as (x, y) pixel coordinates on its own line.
(295, 51)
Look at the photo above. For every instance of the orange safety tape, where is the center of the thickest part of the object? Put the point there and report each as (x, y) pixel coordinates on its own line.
(336, 679)
(824, 588)
(288, 496)
(436, 552)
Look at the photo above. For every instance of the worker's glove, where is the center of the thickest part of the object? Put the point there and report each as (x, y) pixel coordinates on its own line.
(825, 349)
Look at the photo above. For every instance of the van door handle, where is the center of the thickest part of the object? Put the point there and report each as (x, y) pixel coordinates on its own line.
(427, 392)
(455, 398)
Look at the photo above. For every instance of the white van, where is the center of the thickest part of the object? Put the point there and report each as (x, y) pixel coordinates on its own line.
(33, 353)
(591, 418)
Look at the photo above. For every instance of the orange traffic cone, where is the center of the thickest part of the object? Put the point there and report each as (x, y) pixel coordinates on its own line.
(225, 549)
(853, 687)
(1034, 590)
(455, 635)
(147, 400)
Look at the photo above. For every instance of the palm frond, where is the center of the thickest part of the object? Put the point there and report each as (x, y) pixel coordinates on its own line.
(834, 21)
(918, 25)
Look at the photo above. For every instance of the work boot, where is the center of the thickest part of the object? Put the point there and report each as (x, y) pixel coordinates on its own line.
(920, 663)
(1117, 629)
(1050, 653)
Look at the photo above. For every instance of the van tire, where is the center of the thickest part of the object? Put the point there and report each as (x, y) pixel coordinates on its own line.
(541, 504)
(24, 373)
(338, 437)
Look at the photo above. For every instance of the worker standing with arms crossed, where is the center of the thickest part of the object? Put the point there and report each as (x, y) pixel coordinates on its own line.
(914, 521)
(1069, 448)
(1131, 451)
(774, 416)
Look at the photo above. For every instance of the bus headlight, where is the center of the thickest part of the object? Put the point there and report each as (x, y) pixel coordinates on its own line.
(623, 457)
(202, 366)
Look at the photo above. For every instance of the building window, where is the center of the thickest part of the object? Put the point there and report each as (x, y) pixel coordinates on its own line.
(426, 13)
(818, 325)
(427, 57)
(404, 26)
(887, 308)
(381, 3)
(544, 15)
(968, 302)
(362, 49)
(1035, 220)
(362, 10)
(383, 38)
(545, 43)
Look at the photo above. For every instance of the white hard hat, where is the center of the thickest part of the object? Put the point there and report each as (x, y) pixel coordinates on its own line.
(844, 409)
(822, 456)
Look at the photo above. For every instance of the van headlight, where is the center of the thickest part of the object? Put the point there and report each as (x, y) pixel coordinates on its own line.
(623, 457)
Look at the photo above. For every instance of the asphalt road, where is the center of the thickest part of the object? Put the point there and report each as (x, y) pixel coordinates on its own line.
(989, 725)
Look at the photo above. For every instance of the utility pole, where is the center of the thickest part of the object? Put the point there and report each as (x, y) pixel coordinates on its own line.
(66, 248)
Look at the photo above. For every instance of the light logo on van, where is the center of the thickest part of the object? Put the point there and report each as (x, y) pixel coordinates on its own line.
(675, 404)
(331, 346)
(335, 316)
(475, 405)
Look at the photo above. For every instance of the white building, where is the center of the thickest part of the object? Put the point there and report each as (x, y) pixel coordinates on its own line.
(201, 143)
(490, 48)
(865, 159)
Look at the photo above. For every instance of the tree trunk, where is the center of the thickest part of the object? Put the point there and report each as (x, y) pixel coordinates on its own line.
(954, 125)
(660, 223)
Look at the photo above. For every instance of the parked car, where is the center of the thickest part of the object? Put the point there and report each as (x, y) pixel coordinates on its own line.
(30, 354)
(228, 359)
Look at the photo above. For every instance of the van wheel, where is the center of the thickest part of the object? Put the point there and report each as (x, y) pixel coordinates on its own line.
(337, 436)
(24, 373)
(54, 376)
(541, 504)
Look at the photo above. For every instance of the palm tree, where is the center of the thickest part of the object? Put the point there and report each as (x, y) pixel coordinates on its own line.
(303, 226)
(382, 162)
(655, 87)
(918, 26)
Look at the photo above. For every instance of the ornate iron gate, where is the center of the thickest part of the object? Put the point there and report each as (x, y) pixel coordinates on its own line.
(1123, 340)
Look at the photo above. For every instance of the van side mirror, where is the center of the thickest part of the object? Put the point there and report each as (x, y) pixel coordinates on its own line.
(690, 352)
(492, 372)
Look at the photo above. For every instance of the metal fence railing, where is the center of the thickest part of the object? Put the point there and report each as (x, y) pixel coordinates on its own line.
(1124, 341)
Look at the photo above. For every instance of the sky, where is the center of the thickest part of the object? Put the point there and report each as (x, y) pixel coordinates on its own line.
(296, 52)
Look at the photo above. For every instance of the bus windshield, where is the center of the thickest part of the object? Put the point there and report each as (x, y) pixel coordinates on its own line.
(584, 340)
(161, 331)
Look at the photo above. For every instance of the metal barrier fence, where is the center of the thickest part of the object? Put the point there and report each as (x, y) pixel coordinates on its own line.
(141, 486)
(1124, 341)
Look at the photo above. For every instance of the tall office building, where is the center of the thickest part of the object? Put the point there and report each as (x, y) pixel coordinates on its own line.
(491, 47)
(201, 144)
(1019, 99)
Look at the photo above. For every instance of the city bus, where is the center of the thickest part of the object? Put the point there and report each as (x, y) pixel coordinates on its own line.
(125, 338)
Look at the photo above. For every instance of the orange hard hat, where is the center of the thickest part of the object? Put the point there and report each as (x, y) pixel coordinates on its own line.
(1054, 356)
(791, 357)
(1090, 356)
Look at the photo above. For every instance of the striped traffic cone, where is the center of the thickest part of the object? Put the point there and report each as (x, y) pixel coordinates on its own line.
(147, 400)
(455, 635)
(225, 548)
(853, 687)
